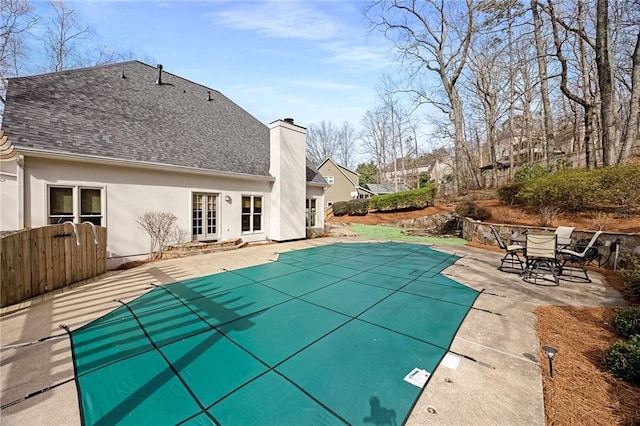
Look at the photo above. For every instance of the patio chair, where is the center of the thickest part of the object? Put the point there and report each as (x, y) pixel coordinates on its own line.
(564, 235)
(511, 262)
(541, 259)
(574, 262)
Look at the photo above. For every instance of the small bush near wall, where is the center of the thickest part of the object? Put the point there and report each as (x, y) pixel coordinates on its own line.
(633, 277)
(472, 210)
(627, 322)
(413, 199)
(623, 360)
(339, 208)
(358, 207)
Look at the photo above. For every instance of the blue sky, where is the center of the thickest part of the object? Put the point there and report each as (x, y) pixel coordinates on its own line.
(310, 60)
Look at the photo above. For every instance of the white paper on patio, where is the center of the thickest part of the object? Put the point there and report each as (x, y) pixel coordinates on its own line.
(417, 377)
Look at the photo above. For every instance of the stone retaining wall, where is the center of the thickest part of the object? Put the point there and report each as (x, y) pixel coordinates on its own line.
(478, 231)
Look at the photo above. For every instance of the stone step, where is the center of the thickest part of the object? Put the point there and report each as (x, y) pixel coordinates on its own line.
(197, 247)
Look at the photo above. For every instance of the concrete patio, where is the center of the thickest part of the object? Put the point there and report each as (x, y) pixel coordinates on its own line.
(498, 379)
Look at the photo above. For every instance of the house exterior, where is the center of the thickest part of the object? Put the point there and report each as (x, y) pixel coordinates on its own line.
(342, 183)
(106, 144)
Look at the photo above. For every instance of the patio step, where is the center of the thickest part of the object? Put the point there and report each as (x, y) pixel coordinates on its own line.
(198, 247)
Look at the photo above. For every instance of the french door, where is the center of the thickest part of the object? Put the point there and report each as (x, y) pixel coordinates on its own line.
(204, 226)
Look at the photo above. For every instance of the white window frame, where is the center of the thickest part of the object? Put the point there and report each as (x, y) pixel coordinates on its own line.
(252, 214)
(205, 225)
(311, 214)
(330, 179)
(76, 215)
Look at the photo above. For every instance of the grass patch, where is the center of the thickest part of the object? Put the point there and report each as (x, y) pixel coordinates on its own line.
(395, 233)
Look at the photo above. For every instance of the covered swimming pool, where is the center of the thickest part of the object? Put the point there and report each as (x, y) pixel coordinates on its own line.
(347, 333)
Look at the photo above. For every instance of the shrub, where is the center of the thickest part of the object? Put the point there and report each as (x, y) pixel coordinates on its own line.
(472, 210)
(627, 322)
(339, 208)
(623, 360)
(547, 215)
(574, 189)
(413, 199)
(424, 180)
(508, 194)
(529, 172)
(568, 190)
(619, 185)
(633, 277)
(358, 207)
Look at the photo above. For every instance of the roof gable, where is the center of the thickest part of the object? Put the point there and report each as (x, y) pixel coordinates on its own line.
(343, 170)
(118, 111)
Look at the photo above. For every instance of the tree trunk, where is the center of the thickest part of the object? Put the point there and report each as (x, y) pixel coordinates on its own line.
(458, 125)
(631, 129)
(512, 95)
(549, 143)
(605, 82)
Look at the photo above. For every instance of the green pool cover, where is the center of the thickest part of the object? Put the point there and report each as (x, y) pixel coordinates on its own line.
(324, 335)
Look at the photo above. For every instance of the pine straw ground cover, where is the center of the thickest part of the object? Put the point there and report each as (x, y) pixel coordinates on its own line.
(582, 391)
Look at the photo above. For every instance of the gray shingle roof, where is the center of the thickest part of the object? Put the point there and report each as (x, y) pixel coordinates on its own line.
(313, 175)
(94, 111)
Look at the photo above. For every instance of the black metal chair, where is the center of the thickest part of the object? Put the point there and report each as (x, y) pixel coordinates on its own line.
(573, 263)
(511, 262)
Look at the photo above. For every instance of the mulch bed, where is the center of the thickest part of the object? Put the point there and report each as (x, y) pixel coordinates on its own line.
(582, 392)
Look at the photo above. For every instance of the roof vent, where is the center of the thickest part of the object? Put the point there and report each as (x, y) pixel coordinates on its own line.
(288, 120)
(122, 75)
(159, 80)
(208, 95)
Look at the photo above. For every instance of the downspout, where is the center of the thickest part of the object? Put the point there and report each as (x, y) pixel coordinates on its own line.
(20, 189)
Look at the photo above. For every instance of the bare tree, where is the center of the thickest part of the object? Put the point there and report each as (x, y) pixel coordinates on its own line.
(61, 36)
(160, 226)
(541, 56)
(322, 141)
(486, 84)
(431, 36)
(375, 134)
(562, 32)
(605, 81)
(347, 145)
(631, 129)
(16, 19)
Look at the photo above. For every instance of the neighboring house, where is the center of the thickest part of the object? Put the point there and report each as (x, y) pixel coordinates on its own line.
(439, 172)
(342, 183)
(107, 144)
(386, 188)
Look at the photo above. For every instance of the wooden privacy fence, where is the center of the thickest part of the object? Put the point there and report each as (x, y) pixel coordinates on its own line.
(35, 261)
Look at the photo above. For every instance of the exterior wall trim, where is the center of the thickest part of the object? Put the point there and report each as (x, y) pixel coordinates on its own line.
(140, 164)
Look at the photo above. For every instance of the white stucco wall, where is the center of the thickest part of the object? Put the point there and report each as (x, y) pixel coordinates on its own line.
(130, 192)
(9, 195)
(288, 166)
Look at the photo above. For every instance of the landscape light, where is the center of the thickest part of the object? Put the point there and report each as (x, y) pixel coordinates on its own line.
(550, 351)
